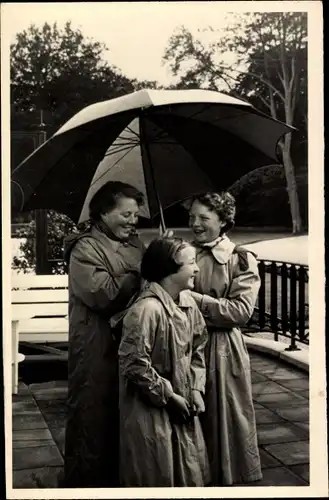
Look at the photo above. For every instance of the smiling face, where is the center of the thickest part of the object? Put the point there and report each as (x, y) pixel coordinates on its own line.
(123, 218)
(205, 223)
(184, 278)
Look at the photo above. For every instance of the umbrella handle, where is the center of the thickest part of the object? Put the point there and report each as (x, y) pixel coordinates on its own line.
(162, 221)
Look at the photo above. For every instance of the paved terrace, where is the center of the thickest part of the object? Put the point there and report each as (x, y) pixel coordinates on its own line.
(282, 410)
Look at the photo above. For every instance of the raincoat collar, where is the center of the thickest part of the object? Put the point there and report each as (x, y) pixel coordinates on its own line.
(94, 232)
(221, 248)
(113, 244)
(156, 290)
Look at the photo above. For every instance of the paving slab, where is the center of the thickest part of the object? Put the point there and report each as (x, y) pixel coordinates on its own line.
(28, 420)
(53, 417)
(21, 397)
(302, 470)
(25, 406)
(257, 377)
(55, 406)
(50, 394)
(267, 460)
(282, 415)
(258, 405)
(43, 477)
(290, 454)
(264, 367)
(298, 413)
(281, 476)
(305, 394)
(43, 456)
(285, 374)
(279, 433)
(303, 425)
(279, 399)
(268, 387)
(58, 434)
(266, 416)
(32, 435)
(299, 384)
(52, 384)
(33, 443)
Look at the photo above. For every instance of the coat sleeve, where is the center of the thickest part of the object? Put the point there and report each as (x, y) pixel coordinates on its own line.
(237, 308)
(94, 285)
(198, 365)
(139, 329)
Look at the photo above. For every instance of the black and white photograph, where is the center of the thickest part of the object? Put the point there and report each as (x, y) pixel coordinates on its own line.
(163, 251)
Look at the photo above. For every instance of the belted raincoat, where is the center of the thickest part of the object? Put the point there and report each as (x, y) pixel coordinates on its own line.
(103, 277)
(161, 352)
(228, 285)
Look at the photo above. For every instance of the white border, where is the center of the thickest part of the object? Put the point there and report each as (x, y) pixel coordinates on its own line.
(318, 429)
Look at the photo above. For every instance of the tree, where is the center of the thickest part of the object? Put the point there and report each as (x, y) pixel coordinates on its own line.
(146, 84)
(269, 70)
(59, 226)
(54, 73)
(58, 71)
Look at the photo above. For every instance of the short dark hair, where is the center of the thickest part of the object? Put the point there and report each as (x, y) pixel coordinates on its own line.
(160, 258)
(223, 204)
(106, 197)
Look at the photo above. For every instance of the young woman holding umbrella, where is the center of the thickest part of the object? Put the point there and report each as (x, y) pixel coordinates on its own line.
(226, 289)
(104, 275)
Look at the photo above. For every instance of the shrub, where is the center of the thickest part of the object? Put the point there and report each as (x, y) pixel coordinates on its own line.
(59, 226)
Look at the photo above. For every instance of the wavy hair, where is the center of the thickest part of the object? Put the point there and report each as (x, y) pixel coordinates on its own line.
(105, 199)
(222, 203)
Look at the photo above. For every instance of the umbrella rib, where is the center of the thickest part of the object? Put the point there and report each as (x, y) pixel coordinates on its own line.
(120, 149)
(133, 132)
(112, 166)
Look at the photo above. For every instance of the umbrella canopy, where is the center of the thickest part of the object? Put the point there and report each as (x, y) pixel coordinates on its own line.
(169, 144)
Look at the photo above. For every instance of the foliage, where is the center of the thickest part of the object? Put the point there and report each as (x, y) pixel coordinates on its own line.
(59, 71)
(258, 191)
(59, 226)
(54, 73)
(268, 69)
(146, 84)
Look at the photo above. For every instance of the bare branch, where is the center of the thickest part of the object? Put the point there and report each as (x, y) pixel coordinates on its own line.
(266, 82)
(259, 96)
(263, 100)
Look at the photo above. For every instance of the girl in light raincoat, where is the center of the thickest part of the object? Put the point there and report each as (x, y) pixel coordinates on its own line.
(162, 374)
(226, 290)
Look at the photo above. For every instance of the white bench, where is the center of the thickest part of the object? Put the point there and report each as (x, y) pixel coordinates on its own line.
(39, 315)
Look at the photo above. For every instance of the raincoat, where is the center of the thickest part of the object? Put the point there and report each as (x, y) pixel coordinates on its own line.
(228, 284)
(161, 352)
(103, 276)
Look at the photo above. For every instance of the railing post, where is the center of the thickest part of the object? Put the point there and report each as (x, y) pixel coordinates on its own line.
(293, 307)
(261, 295)
(284, 298)
(301, 303)
(274, 300)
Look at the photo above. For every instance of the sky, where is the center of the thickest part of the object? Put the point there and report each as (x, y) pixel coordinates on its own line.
(136, 34)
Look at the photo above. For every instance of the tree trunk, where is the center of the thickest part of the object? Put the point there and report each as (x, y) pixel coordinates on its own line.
(297, 225)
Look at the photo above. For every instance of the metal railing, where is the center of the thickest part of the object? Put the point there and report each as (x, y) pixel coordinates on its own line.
(282, 305)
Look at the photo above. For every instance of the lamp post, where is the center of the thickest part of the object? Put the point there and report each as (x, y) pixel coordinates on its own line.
(41, 226)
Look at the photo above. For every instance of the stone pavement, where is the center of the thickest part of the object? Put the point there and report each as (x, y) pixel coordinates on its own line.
(282, 413)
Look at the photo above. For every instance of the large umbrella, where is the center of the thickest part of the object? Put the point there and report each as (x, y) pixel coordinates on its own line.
(170, 144)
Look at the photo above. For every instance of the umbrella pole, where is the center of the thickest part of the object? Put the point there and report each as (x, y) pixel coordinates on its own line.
(162, 221)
